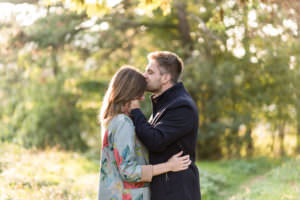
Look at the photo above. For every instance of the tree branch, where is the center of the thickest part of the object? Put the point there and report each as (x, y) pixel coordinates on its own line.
(20, 1)
(183, 25)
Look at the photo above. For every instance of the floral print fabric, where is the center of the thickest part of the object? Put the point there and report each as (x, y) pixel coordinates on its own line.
(122, 156)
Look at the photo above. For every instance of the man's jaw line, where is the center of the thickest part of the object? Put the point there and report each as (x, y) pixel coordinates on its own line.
(162, 90)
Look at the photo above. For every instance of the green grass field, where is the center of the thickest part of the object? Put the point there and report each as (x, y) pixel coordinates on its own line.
(259, 179)
(57, 175)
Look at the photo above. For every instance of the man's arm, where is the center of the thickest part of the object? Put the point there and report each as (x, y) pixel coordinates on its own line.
(174, 124)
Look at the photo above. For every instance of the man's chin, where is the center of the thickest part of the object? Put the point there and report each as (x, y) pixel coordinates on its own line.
(150, 90)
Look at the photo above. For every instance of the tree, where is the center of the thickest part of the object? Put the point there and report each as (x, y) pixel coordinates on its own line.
(237, 60)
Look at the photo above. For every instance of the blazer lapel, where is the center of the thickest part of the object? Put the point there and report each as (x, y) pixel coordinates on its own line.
(158, 115)
(150, 119)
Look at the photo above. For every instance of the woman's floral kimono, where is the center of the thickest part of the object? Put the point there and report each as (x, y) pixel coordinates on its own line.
(121, 159)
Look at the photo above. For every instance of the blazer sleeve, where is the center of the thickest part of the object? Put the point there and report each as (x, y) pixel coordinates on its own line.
(124, 150)
(174, 124)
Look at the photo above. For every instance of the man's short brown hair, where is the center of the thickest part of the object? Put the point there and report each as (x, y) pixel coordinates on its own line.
(169, 62)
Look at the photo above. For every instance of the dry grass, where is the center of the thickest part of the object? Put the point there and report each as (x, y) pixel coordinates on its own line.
(47, 175)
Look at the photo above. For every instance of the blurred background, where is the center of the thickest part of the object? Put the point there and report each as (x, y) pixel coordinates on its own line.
(242, 68)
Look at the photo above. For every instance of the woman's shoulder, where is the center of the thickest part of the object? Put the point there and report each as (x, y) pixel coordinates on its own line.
(120, 119)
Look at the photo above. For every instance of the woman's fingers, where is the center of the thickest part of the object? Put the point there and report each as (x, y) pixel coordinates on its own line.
(178, 154)
(183, 166)
(180, 162)
(189, 163)
(186, 162)
(183, 158)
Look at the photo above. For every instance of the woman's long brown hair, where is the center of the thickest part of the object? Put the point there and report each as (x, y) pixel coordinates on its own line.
(127, 84)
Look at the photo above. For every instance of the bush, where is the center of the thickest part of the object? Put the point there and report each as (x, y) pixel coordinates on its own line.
(47, 116)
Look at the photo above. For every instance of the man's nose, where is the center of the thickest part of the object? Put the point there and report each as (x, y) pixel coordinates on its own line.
(145, 75)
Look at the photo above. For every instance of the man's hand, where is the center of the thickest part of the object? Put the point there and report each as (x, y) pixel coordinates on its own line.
(134, 104)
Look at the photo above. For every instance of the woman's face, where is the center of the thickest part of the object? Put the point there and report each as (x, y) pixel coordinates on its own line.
(125, 108)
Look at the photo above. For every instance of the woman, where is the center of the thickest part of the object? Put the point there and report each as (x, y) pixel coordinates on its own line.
(124, 170)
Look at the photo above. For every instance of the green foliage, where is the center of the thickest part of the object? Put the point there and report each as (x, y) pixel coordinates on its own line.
(103, 7)
(92, 86)
(241, 64)
(53, 120)
(45, 35)
(46, 116)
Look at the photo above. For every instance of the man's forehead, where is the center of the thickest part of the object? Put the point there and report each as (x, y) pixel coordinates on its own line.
(151, 65)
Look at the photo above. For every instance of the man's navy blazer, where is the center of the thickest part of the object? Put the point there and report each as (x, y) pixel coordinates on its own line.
(172, 127)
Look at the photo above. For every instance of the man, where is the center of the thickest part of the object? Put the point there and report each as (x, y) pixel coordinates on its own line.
(172, 127)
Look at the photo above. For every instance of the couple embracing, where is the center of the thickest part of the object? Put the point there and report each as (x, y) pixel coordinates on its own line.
(155, 159)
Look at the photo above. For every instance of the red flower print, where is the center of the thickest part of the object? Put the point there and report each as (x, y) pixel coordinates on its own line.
(105, 139)
(118, 157)
(135, 185)
(126, 197)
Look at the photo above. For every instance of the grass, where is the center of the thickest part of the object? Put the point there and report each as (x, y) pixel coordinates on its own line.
(259, 179)
(47, 175)
(58, 175)
(282, 182)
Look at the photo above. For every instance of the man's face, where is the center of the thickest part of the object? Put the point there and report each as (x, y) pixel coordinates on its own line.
(153, 77)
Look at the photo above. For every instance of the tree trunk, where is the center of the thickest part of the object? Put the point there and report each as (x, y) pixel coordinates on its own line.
(298, 133)
(237, 143)
(249, 142)
(281, 138)
(183, 26)
(273, 142)
(54, 63)
(298, 138)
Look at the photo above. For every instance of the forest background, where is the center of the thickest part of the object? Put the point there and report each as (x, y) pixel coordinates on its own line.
(242, 68)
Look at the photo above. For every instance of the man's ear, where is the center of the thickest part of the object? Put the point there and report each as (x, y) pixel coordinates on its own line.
(166, 78)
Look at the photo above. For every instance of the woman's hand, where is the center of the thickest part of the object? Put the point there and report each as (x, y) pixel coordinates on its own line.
(177, 163)
(135, 103)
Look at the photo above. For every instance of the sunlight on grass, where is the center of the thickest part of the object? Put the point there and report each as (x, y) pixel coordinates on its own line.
(49, 175)
(227, 179)
(282, 182)
(58, 175)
